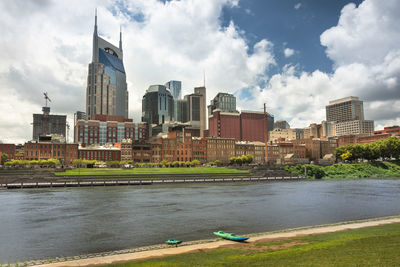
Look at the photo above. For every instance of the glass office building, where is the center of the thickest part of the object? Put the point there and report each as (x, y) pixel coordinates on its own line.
(176, 88)
(106, 92)
(157, 105)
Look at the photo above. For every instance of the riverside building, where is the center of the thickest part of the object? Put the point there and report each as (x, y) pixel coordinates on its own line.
(108, 129)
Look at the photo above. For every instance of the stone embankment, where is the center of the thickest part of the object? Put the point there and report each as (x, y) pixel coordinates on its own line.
(18, 179)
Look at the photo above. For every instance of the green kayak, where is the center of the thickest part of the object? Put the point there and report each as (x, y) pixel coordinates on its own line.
(172, 241)
(230, 236)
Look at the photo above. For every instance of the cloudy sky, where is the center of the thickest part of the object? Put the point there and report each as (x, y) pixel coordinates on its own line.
(294, 55)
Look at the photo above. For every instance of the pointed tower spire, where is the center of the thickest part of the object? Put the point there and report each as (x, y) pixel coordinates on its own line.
(120, 37)
(95, 54)
(95, 22)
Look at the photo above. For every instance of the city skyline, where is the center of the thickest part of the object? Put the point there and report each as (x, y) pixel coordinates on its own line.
(50, 50)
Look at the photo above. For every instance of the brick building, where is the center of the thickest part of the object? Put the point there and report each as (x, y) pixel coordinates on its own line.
(317, 148)
(224, 125)
(156, 146)
(9, 149)
(244, 148)
(126, 149)
(65, 153)
(100, 153)
(393, 130)
(199, 149)
(141, 151)
(259, 152)
(244, 126)
(221, 149)
(278, 153)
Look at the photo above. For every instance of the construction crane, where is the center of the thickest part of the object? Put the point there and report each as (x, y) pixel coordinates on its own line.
(46, 97)
(46, 112)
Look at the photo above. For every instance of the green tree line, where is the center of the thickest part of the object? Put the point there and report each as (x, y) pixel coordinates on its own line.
(382, 149)
(42, 162)
(245, 159)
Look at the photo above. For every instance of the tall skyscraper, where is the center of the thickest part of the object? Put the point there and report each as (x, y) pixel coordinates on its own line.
(345, 109)
(201, 92)
(157, 107)
(176, 88)
(180, 110)
(106, 92)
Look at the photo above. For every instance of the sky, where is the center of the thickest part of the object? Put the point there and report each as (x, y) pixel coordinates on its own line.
(295, 56)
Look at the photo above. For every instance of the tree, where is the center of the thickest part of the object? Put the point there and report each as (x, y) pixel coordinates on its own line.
(217, 162)
(391, 147)
(232, 160)
(4, 158)
(346, 155)
(195, 162)
(164, 162)
(53, 162)
(249, 159)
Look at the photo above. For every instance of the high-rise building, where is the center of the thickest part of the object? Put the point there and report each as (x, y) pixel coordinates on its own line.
(106, 91)
(281, 124)
(201, 91)
(180, 110)
(347, 114)
(345, 109)
(176, 88)
(79, 115)
(157, 107)
(196, 109)
(224, 102)
(46, 124)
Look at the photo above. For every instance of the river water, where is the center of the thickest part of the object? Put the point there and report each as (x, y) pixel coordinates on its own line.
(43, 223)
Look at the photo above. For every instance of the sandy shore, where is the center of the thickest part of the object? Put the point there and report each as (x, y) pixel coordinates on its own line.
(217, 244)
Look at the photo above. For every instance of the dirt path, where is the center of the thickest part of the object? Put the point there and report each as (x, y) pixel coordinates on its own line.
(213, 245)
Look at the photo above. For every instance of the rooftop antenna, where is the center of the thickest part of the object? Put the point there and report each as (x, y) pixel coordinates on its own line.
(120, 37)
(95, 19)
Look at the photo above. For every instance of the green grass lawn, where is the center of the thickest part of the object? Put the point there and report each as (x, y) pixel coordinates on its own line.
(372, 246)
(103, 171)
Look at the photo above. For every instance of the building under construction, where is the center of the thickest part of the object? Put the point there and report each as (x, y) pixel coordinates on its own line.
(46, 124)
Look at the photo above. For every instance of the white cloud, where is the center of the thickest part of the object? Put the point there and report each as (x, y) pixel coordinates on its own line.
(366, 56)
(46, 46)
(297, 6)
(288, 52)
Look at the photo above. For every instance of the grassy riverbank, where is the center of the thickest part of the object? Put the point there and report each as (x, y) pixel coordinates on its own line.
(349, 170)
(103, 171)
(371, 246)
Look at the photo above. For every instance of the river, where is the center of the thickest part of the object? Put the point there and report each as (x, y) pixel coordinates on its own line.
(43, 223)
